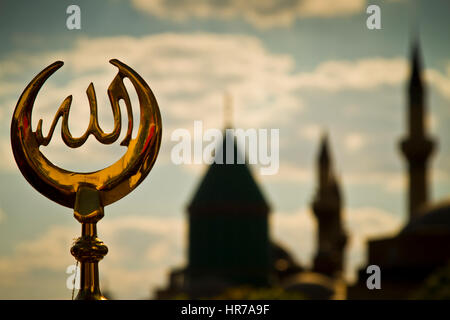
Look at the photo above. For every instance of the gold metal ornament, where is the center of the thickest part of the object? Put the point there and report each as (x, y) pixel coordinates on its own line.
(88, 193)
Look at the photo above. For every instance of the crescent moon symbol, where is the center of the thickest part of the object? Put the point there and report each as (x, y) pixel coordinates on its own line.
(113, 182)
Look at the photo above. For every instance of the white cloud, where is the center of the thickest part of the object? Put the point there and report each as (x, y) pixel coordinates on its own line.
(188, 74)
(311, 132)
(298, 232)
(362, 74)
(143, 249)
(440, 81)
(48, 251)
(7, 159)
(289, 172)
(364, 224)
(141, 252)
(354, 141)
(259, 13)
(393, 182)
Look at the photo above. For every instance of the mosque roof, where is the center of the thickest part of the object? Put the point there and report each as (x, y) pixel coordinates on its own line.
(228, 187)
(434, 219)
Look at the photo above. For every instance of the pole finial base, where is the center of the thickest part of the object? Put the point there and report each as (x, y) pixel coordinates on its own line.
(88, 249)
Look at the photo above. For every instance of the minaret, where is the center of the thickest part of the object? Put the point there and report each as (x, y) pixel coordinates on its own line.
(417, 147)
(327, 209)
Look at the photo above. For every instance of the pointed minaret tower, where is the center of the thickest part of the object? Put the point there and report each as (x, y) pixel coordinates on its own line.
(417, 147)
(229, 241)
(327, 209)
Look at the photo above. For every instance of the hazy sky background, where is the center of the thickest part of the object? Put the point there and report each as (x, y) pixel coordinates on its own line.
(298, 65)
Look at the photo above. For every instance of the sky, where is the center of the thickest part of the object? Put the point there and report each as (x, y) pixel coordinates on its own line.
(301, 66)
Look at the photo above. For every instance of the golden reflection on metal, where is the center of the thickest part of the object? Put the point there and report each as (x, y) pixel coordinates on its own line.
(88, 193)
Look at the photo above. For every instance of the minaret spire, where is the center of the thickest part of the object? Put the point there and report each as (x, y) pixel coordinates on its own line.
(417, 147)
(416, 93)
(327, 207)
(324, 162)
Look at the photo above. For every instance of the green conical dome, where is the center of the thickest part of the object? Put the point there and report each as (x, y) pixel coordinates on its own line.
(228, 188)
(228, 227)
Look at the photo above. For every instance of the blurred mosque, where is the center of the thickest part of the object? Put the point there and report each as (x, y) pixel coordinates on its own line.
(229, 242)
(423, 245)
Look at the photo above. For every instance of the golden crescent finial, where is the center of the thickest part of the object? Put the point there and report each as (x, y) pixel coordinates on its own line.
(113, 182)
(88, 193)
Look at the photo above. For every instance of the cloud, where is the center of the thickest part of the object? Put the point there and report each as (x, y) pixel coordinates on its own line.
(49, 251)
(289, 172)
(311, 132)
(361, 74)
(188, 74)
(297, 230)
(141, 251)
(363, 224)
(354, 141)
(393, 182)
(7, 162)
(440, 81)
(189, 71)
(259, 13)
